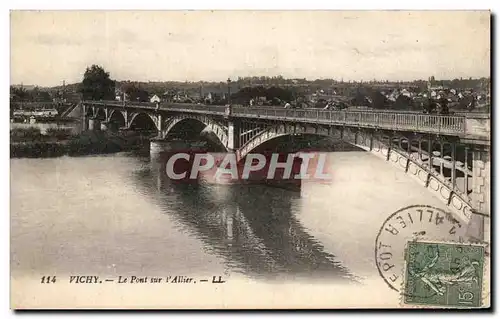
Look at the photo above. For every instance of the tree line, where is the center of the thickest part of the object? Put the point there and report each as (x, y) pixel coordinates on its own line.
(20, 94)
(98, 85)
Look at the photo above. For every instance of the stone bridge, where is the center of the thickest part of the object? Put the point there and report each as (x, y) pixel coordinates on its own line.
(447, 154)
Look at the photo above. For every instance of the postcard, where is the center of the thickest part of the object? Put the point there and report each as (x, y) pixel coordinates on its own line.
(250, 159)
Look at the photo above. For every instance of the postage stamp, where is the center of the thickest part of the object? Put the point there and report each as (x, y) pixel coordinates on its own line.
(443, 274)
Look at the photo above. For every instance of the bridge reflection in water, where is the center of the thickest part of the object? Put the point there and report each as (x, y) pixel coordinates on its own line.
(252, 227)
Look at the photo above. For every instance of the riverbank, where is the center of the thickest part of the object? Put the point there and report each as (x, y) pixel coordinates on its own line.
(54, 119)
(59, 142)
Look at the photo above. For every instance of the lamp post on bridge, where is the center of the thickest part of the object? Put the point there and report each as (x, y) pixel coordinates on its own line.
(228, 91)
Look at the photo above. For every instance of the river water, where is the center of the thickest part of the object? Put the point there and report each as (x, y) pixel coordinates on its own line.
(113, 215)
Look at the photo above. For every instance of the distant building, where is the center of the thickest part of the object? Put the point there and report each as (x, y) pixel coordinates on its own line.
(180, 97)
(120, 95)
(37, 113)
(215, 97)
(437, 88)
(155, 99)
(46, 113)
(194, 95)
(261, 100)
(405, 92)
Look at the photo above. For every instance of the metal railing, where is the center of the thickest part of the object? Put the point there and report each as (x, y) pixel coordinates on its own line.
(404, 121)
(387, 120)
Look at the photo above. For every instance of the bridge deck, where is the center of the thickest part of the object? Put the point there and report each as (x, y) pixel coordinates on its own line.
(455, 124)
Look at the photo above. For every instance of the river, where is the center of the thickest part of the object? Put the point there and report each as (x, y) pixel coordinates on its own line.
(111, 214)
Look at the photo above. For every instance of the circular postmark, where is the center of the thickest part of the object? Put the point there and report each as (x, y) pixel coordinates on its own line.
(410, 223)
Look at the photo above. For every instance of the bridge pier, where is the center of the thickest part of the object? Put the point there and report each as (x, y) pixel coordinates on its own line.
(104, 126)
(84, 120)
(160, 125)
(479, 225)
(233, 136)
(94, 124)
(85, 124)
(158, 146)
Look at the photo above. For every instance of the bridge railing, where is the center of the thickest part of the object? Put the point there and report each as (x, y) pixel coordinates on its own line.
(450, 124)
(198, 107)
(388, 120)
(171, 106)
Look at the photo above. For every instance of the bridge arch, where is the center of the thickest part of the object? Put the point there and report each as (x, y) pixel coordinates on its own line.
(217, 128)
(384, 147)
(100, 113)
(117, 117)
(143, 120)
(89, 111)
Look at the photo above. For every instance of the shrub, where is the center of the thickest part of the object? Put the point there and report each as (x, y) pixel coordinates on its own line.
(25, 133)
(59, 132)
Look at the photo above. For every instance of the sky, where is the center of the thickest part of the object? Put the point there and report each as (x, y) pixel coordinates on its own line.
(48, 47)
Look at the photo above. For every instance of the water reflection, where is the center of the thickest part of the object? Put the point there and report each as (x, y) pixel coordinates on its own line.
(252, 227)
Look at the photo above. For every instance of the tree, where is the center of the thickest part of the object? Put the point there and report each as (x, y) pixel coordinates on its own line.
(19, 94)
(42, 96)
(379, 101)
(97, 85)
(403, 102)
(321, 103)
(136, 93)
(360, 99)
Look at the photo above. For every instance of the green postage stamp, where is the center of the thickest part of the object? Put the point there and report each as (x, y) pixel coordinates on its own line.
(443, 274)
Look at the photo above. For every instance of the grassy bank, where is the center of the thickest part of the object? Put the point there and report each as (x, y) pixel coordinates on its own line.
(30, 142)
(34, 134)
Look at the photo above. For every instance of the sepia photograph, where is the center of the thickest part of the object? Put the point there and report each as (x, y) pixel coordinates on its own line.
(246, 159)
